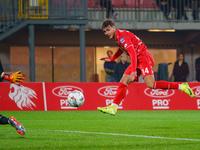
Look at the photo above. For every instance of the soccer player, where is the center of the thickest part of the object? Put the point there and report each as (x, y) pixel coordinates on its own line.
(141, 63)
(16, 78)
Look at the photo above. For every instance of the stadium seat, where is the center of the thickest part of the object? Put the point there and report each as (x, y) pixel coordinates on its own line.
(91, 4)
(132, 3)
(124, 4)
(142, 4)
(68, 4)
(148, 4)
(118, 3)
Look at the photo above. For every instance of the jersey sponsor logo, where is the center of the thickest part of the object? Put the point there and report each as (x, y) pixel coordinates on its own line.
(108, 91)
(196, 91)
(64, 91)
(122, 40)
(22, 96)
(158, 92)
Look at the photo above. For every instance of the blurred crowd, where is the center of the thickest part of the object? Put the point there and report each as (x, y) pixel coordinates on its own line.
(114, 70)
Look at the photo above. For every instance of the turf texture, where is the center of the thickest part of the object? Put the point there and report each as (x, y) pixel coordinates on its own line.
(93, 130)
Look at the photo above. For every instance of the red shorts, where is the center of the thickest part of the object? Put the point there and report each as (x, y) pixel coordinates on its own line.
(145, 65)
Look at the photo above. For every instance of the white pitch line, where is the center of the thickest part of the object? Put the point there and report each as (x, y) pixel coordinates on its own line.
(130, 135)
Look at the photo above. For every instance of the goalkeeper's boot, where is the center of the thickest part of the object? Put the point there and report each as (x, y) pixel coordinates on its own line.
(18, 126)
(185, 88)
(112, 110)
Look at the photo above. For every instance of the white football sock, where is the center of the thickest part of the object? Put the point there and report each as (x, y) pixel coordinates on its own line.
(179, 86)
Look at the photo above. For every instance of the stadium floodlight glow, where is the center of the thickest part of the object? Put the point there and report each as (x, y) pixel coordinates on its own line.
(87, 29)
(161, 30)
(72, 29)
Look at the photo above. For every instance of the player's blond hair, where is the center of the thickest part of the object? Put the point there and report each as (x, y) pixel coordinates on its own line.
(107, 22)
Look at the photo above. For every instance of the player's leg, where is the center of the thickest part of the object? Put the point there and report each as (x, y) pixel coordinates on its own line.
(3, 120)
(149, 80)
(123, 85)
(147, 72)
(121, 93)
(151, 83)
(18, 126)
(13, 122)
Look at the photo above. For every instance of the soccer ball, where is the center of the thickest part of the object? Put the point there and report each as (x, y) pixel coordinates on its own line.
(76, 98)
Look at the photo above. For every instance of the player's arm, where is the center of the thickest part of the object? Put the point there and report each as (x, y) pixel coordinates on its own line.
(128, 45)
(16, 77)
(130, 49)
(116, 55)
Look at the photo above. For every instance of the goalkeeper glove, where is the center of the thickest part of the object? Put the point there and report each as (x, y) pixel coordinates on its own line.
(16, 77)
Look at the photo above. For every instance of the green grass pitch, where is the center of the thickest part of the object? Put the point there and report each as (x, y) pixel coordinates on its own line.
(156, 130)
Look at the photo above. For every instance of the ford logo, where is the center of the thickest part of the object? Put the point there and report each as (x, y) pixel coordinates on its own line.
(108, 91)
(158, 92)
(196, 91)
(64, 91)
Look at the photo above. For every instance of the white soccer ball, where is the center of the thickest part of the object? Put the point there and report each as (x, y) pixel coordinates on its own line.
(76, 98)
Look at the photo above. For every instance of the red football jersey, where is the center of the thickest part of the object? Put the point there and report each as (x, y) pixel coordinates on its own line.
(130, 43)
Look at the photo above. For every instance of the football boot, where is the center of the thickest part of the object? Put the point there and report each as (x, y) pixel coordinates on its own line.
(18, 126)
(185, 88)
(112, 110)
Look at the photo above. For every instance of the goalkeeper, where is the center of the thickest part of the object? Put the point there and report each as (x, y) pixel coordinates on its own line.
(16, 78)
